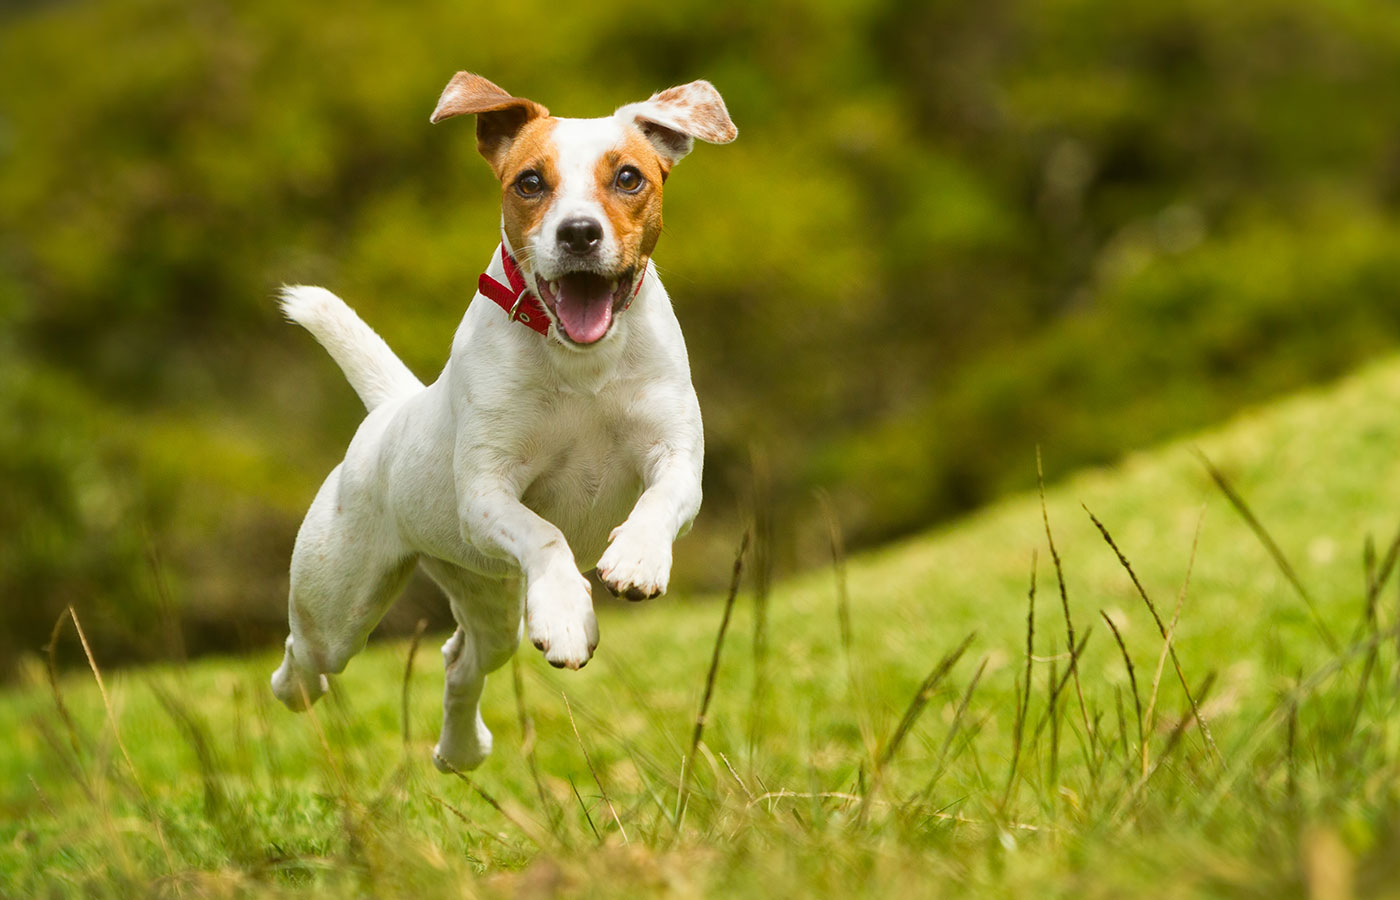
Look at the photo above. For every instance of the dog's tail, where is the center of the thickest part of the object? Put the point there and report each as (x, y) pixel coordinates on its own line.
(369, 365)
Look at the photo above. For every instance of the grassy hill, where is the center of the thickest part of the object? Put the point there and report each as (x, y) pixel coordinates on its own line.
(816, 773)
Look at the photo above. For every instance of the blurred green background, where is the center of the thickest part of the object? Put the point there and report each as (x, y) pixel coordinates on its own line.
(949, 232)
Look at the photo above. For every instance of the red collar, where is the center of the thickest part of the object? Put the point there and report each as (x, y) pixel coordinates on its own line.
(519, 302)
(516, 300)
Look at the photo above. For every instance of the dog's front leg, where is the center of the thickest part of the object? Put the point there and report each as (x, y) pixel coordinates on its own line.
(558, 600)
(637, 563)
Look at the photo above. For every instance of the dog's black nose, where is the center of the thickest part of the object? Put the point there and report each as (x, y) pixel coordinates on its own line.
(580, 235)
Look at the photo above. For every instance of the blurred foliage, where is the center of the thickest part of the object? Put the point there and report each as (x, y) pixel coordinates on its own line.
(948, 232)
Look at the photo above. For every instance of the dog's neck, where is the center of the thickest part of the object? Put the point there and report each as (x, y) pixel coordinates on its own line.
(574, 370)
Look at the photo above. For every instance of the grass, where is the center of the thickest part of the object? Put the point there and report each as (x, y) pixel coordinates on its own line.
(1004, 706)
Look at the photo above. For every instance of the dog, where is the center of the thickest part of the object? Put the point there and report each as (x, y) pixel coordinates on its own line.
(565, 409)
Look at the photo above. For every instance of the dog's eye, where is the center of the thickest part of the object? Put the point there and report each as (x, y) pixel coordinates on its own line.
(629, 180)
(529, 183)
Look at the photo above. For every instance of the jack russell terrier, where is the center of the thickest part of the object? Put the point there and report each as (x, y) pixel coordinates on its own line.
(565, 407)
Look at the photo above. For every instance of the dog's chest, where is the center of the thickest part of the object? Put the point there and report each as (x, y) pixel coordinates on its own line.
(578, 458)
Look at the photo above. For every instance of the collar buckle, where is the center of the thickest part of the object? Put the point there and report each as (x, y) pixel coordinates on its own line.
(519, 304)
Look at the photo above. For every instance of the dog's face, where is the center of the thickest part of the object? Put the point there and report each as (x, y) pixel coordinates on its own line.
(581, 198)
(581, 204)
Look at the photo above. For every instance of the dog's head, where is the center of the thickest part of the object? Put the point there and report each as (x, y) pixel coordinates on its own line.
(581, 198)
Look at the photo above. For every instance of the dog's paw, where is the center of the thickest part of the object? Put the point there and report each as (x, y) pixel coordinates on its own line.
(297, 689)
(636, 565)
(453, 754)
(297, 694)
(559, 618)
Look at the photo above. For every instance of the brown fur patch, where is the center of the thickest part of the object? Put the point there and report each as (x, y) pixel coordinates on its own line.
(499, 116)
(533, 148)
(635, 218)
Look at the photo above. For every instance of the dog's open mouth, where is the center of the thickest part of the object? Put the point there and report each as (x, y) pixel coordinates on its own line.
(584, 302)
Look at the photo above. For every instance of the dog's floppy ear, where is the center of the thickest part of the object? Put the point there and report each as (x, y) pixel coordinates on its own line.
(499, 116)
(672, 118)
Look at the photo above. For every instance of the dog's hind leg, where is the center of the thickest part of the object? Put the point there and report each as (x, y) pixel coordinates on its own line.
(489, 617)
(347, 568)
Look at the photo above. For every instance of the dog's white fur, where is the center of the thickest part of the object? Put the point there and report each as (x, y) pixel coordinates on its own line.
(518, 460)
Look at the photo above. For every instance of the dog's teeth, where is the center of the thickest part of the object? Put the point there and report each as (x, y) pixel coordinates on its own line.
(554, 287)
(613, 288)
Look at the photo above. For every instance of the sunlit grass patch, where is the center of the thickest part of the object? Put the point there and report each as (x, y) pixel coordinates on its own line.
(913, 721)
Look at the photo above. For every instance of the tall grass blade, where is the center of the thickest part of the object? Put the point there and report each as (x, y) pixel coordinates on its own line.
(1162, 629)
(597, 779)
(538, 838)
(688, 761)
(418, 630)
(1173, 741)
(548, 805)
(941, 763)
(146, 804)
(1262, 533)
(1064, 603)
(1370, 623)
(51, 658)
(584, 807)
(843, 623)
(1058, 683)
(1132, 681)
(762, 580)
(1169, 641)
(911, 715)
(1023, 694)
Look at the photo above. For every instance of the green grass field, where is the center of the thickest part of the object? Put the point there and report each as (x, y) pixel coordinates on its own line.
(849, 749)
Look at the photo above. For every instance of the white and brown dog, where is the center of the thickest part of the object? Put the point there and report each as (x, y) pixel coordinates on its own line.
(565, 408)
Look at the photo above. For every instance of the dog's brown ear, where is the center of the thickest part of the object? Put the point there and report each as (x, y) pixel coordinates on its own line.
(499, 116)
(672, 118)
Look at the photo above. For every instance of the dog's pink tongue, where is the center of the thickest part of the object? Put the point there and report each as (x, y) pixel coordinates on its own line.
(584, 307)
